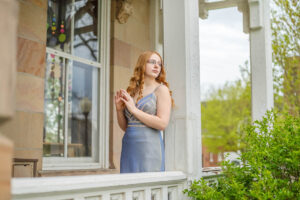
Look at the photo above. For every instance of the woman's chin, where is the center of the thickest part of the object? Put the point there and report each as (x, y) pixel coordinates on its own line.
(152, 76)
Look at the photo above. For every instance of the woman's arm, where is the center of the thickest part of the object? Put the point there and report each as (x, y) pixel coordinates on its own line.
(120, 106)
(161, 120)
(121, 120)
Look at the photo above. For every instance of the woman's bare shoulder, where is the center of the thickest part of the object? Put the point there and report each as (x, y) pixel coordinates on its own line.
(162, 90)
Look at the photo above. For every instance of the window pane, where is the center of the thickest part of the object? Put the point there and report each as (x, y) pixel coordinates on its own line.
(73, 29)
(85, 33)
(53, 136)
(83, 107)
(59, 25)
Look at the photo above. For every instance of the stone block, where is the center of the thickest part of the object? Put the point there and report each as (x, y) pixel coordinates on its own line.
(25, 130)
(135, 52)
(141, 10)
(6, 151)
(119, 30)
(39, 3)
(8, 32)
(30, 93)
(137, 34)
(120, 53)
(33, 20)
(31, 57)
(121, 78)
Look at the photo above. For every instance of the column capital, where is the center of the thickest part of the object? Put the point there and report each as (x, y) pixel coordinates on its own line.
(255, 14)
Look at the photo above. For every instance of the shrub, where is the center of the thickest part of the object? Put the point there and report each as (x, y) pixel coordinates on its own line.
(271, 164)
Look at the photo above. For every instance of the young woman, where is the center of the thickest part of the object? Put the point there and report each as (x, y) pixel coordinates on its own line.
(143, 111)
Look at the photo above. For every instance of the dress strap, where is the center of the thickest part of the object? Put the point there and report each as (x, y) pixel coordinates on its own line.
(157, 87)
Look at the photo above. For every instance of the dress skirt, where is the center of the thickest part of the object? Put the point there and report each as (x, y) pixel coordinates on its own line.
(142, 150)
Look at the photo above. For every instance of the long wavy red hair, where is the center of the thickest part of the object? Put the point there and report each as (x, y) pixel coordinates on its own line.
(136, 83)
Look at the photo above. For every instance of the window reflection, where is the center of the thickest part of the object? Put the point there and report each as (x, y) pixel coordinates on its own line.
(82, 84)
(53, 136)
(83, 106)
(72, 27)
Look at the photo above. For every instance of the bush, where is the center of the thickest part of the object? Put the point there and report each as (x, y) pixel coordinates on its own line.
(271, 164)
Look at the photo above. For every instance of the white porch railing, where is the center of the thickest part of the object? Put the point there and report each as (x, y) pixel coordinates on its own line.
(135, 186)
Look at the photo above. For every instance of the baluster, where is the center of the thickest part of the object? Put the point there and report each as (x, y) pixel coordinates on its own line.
(117, 196)
(105, 196)
(147, 194)
(179, 191)
(128, 195)
(172, 193)
(138, 195)
(165, 192)
(156, 194)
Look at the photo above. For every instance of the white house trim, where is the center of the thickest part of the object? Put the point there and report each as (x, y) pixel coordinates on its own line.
(158, 185)
(260, 58)
(181, 55)
(256, 22)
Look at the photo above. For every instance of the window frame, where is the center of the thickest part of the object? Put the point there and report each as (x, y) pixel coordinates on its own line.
(100, 154)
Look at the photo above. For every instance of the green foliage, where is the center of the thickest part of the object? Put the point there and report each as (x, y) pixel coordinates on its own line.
(53, 110)
(271, 164)
(285, 25)
(226, 110)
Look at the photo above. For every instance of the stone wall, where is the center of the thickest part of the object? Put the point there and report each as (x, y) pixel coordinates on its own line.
(8, 29)
(128, 41)
(26, 127)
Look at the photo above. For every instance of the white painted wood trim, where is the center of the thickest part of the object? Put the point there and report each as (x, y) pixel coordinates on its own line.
(181, 56)
(101, 159)
(105, 82)
(93, 185)
(71, 166)
(72, 57)
(260, 58)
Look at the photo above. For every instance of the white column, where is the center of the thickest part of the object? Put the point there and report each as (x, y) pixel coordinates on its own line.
(181, 56)
(155, 21)
(260, 57)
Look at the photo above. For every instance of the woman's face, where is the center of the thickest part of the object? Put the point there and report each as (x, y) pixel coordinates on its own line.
(153, 66)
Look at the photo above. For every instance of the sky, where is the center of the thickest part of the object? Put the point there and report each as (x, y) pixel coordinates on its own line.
(223, 47)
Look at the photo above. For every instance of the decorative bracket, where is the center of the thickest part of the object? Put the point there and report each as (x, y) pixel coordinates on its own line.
(243, 7)
(124, 10)
(256, 14)
(203, 12)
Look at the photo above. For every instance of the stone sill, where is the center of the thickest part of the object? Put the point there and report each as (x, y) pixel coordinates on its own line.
(76, 172)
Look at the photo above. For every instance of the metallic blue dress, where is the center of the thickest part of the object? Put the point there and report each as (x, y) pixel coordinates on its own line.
(142, 146)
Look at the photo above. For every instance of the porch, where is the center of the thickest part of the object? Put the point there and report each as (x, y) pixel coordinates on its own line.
(183, 136)
(138, 186)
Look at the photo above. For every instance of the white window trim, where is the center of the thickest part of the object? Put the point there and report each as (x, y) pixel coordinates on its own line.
(211, 157)
(102, 156)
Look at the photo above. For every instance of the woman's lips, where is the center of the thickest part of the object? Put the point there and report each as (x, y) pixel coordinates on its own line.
(155, 71)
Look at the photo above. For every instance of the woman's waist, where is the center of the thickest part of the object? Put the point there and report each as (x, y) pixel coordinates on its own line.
(139, 127)
(135, 123)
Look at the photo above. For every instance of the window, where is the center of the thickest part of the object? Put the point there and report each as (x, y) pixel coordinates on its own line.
(211, 157)
(76, 85)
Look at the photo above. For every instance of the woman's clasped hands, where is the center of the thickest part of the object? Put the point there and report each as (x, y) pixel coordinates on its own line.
(122, 99)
